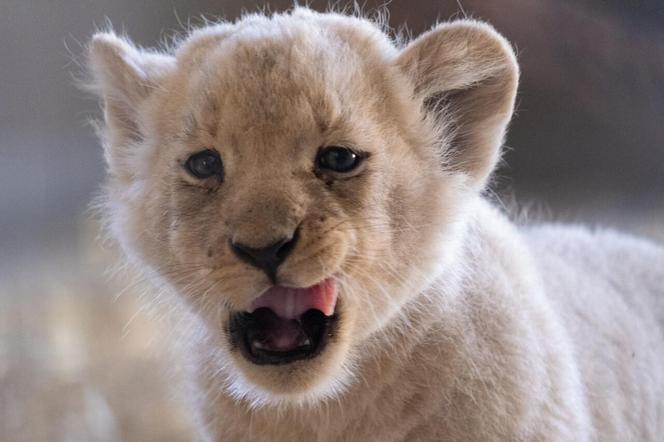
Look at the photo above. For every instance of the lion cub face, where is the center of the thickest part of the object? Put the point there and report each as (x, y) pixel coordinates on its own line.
(297, 178)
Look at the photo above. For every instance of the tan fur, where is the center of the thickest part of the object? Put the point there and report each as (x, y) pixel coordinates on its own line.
(447, 330)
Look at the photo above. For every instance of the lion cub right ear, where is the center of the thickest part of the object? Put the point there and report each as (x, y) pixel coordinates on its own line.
(124, 76)
(465, 76)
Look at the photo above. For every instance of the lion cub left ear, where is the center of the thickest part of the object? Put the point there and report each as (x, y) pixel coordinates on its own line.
(124, 76)
(466, 76)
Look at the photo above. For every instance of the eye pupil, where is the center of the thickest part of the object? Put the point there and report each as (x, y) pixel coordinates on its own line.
(205, 164)
(338, 159)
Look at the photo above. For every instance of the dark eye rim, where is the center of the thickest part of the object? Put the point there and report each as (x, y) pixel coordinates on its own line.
(360, 155)
(189, 167)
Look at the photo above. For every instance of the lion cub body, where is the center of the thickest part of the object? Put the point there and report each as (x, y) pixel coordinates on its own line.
(453, 324)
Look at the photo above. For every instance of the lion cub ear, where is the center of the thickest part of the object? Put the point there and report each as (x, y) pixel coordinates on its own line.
(466, 76)
(123, 76)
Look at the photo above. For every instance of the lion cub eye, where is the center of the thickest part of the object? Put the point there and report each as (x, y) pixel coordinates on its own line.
(205, 164)
(338, 159)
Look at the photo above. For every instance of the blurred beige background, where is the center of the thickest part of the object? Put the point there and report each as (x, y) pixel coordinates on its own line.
(81, 361)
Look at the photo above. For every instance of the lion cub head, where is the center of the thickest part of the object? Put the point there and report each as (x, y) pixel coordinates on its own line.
(298, 178)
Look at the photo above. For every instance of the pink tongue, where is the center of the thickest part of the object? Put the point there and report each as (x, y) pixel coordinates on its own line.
(291, 303)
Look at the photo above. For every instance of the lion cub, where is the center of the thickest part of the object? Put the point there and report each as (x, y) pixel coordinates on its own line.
(312, 191)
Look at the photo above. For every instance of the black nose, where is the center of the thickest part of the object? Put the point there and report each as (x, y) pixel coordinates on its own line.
(267, 258)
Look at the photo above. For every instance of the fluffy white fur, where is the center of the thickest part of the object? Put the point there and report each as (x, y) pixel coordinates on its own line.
(457, 324)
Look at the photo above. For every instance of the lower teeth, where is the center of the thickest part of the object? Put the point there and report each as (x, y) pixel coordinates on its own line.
(259, 345)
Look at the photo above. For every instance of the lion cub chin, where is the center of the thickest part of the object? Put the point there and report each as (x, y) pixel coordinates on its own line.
(310, 191)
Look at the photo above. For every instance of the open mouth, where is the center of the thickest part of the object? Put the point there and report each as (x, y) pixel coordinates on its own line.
(286, 324)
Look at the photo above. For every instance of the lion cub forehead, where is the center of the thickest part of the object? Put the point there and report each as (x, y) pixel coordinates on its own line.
(286, 46)
(302, 65)
(302, 27)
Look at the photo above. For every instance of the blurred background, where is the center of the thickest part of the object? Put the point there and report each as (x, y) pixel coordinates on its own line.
(80, 359)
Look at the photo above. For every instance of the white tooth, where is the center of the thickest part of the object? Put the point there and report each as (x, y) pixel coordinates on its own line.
(306, 342)
(257, 344)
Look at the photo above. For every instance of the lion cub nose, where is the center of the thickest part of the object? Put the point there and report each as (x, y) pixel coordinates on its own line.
(266, 258)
